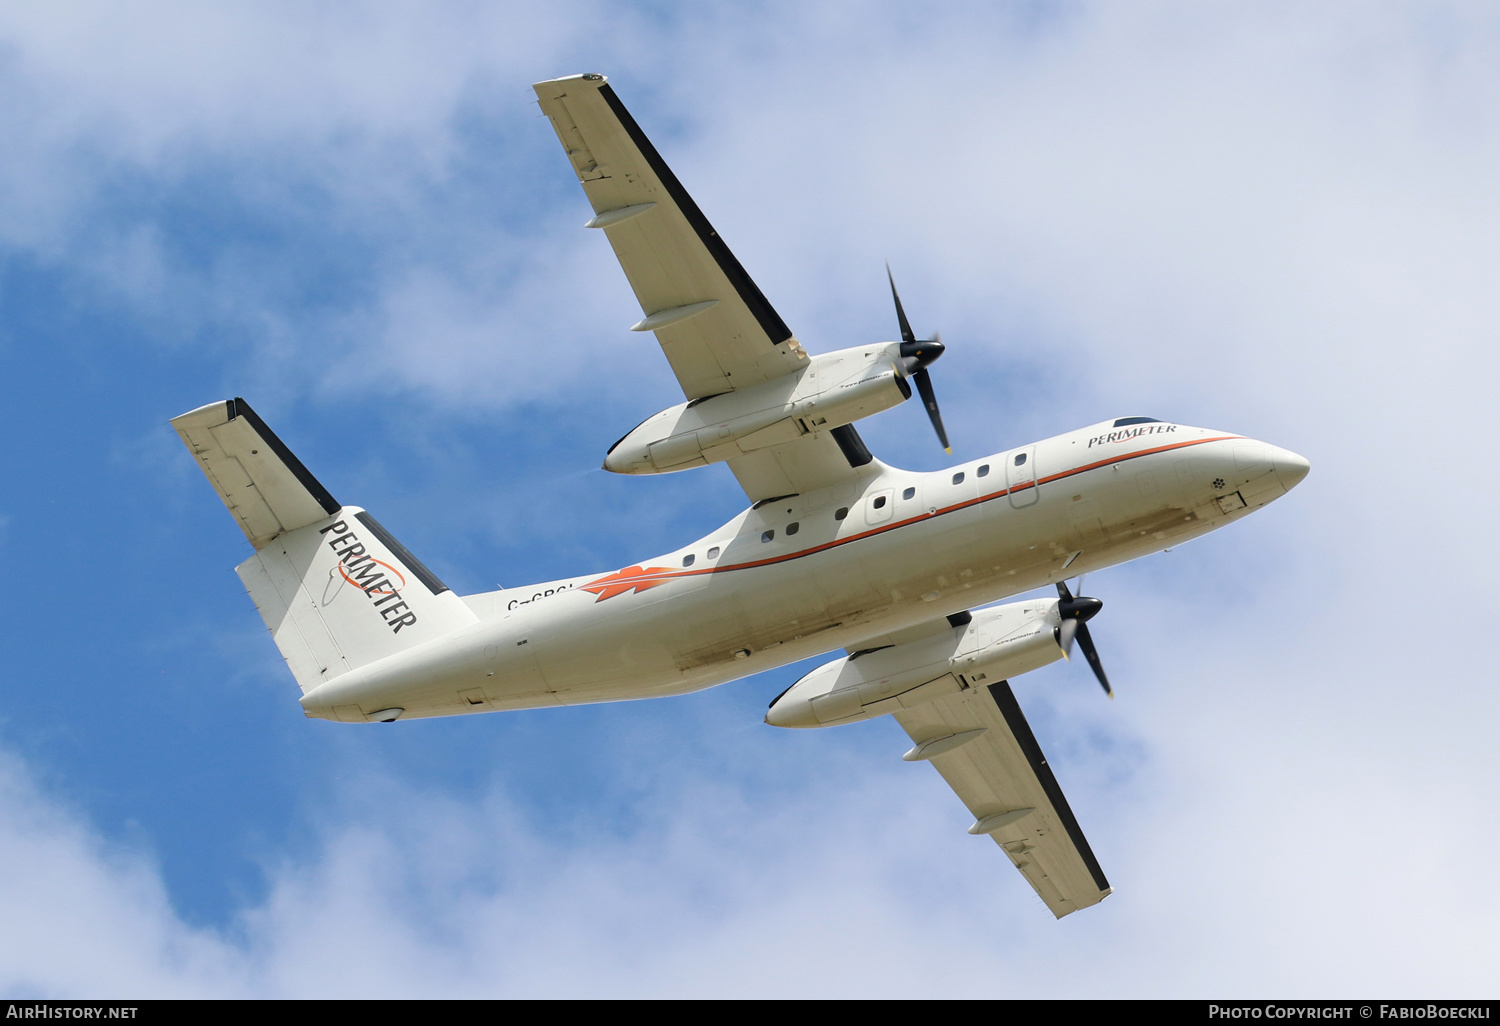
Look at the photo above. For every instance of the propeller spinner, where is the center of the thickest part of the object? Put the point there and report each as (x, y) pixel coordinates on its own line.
(916, 355)
(1076, 613)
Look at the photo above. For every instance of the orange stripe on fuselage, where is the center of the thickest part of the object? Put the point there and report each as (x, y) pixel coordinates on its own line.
(649, 579)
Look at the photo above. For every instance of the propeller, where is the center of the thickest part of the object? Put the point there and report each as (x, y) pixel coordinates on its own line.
(916, 354)
(1075, 614)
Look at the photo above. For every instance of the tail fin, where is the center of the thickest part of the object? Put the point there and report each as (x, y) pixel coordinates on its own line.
(336, 590)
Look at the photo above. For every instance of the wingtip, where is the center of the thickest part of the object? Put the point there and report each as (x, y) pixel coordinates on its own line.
(592, 77)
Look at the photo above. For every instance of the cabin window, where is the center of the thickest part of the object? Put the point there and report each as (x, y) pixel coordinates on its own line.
(713, 553)
(688, 559)
(767, 535)
(983, 471)
(793, 527)
(910, 493)
(879, 502)
(958, 478)
(1020, 458)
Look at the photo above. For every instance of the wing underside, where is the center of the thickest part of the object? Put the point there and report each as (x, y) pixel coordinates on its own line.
(1003, 778)
(718, 330)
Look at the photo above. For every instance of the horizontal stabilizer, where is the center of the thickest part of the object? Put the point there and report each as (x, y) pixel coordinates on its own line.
(265, 487)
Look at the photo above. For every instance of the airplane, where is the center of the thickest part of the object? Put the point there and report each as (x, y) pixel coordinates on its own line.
(836, 550)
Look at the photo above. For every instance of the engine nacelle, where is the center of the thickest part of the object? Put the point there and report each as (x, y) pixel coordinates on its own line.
(833, 390)
(996, 644)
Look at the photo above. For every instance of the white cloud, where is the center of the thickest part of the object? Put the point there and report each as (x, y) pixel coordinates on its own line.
(85, 917)
(1250, 852)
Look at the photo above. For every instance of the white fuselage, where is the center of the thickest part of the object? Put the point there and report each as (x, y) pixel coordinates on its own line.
(796, 577)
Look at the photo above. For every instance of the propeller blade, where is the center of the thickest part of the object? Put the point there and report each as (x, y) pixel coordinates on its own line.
(915, 356)
(906, 332)
(929, 400)
(1075, 614)
(1065, 635)
(1086, 643)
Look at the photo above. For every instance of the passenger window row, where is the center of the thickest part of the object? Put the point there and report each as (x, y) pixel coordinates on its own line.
(843, 511)
(791, 529)
(688, 560)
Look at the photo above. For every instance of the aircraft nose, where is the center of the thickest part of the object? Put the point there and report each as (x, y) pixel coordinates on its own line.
(1290, 468)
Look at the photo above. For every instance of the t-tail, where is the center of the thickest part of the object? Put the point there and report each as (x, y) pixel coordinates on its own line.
(335, 589)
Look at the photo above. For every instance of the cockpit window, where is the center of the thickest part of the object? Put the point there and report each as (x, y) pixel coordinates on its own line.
(1123, 421)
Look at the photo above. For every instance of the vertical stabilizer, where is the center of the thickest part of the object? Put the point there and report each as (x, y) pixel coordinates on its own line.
(335, 588)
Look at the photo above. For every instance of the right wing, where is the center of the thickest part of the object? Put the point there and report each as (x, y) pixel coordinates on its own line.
(999, 772)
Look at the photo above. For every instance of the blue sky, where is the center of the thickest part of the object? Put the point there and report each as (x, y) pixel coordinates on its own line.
(1264, 218)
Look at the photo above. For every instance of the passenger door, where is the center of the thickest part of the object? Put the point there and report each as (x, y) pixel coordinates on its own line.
(1020, 477)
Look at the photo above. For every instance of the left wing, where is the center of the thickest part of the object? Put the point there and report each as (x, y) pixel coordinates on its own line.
(804, 464)
(986, 752)
(717, 329)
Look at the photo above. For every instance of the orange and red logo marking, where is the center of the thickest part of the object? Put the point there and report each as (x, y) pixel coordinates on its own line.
(632, 578)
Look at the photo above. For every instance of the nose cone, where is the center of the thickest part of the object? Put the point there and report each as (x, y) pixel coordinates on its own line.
(1290, 468)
